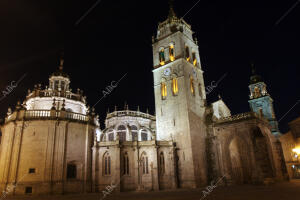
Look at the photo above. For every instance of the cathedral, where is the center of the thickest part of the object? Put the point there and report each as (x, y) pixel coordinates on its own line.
(52, 142)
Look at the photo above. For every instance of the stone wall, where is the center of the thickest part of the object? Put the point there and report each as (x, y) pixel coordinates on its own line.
(46, 147)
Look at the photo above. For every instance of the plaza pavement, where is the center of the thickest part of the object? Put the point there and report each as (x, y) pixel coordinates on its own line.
(278, 191)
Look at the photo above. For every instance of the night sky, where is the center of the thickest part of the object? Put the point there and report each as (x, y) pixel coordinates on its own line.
(115, 39)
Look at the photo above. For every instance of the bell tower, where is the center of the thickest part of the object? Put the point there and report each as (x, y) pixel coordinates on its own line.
(180, 98)
(261, 101)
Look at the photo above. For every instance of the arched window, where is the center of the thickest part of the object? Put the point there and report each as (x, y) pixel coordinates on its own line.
(200, 91)
(192, 85)
(144, 135)
(171, 52)
(134, 132)
(175, 86)
(187, 54)
(161, 163)
(62, 85)
(71, 171)
(125, 164)
(163, 90)
(194, 59)
(122, 133)
(110, 135)
(144, 160)
(162, 56)
(56, 85)
(106, 164)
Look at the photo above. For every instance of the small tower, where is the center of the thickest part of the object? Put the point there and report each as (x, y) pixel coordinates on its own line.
(261, 101)
(59, 80)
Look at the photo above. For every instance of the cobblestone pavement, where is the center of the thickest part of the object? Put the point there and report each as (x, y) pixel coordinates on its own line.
(278, 191)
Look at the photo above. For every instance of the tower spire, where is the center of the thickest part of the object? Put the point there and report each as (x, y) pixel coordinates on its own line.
(171, 11)
(261, 101)
(61, 63)
(253, 69)
(255, 78)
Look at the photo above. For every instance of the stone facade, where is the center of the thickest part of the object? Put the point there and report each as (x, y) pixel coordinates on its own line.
(45, 145)
(261, 101)
(52, 143)
(291, 148)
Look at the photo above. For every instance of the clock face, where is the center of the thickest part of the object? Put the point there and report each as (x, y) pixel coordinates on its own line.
(167, 72)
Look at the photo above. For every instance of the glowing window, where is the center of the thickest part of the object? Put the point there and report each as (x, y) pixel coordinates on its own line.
(171, 52)
(162, 56)
(192, 85)
(175, 86)
(187, 54)
(194, 59)
(163, 90)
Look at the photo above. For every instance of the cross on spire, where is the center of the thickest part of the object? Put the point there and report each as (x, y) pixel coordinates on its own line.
(255, 78)
(61, 63)
(253, 69)
(171, 11)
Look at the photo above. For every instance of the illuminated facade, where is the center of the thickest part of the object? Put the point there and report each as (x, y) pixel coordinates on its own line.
(52, 143)
(261, 101)
(128, 153)
(46, 141)
(210, 142)
(291, 148)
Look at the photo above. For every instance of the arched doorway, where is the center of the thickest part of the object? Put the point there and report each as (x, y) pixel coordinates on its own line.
(235, 162)
(239, 161)
(262, 153)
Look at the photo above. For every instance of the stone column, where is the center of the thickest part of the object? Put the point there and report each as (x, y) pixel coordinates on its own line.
(116, 177)
(87, 160)
(211, 155)
(18, 143)
(154, 169)
(94, 163)
(8, 156)
(136, 164)
(64, 168)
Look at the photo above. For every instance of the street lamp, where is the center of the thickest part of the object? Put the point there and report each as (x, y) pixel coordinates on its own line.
(297, 151)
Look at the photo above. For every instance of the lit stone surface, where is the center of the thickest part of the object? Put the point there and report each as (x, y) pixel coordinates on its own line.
(52, 144)
(41, 138)
(290, 142)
